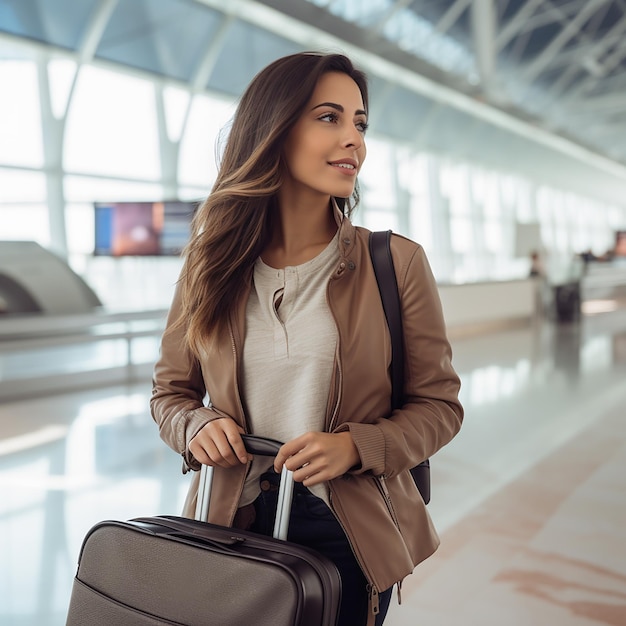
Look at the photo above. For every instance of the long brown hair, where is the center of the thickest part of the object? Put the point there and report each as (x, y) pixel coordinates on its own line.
(232, 227)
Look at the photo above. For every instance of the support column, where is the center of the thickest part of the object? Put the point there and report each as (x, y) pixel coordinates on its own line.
(168, 149)
(52, 130)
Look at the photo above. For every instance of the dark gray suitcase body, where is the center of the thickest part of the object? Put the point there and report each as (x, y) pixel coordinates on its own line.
(173, 570)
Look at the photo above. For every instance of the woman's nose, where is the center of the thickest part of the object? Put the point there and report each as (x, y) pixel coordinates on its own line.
(353, 138)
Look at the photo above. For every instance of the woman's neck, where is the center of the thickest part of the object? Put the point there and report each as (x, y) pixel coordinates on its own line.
(301, 231)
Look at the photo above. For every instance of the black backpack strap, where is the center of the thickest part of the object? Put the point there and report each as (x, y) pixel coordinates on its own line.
(380, 251)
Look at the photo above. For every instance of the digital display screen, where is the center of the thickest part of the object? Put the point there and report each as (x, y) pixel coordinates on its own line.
(142, 228)
(620, 243)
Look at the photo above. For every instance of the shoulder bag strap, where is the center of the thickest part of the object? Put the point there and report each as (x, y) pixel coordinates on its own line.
(380, 251)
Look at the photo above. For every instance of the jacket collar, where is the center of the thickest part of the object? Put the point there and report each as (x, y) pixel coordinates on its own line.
(347, 231)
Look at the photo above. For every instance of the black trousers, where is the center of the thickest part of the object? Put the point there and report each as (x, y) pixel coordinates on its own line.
(313, 525)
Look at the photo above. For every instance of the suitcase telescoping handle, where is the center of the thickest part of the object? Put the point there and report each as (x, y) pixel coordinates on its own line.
(264, 447)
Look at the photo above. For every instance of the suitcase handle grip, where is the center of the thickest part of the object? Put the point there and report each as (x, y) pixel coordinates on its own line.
(263, 446)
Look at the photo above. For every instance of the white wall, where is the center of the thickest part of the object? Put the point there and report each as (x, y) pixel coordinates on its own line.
(479, 304)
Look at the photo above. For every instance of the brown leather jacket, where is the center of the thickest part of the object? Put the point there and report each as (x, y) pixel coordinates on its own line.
(377, 504)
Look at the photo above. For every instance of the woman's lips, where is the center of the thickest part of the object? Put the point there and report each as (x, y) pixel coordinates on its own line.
(347, 167)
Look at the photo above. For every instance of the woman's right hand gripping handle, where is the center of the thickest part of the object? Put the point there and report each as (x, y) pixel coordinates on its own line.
(219, 443)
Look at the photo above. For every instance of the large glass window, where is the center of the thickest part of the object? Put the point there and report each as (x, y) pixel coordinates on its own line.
(61, 73)
(463, 214)
(20, 117)
(89, 188)
(111, 126)
(21, 186)
(23, 210)
(379, 198)
(413, 177)
(203, 139)
(25, 222)
(176, 105)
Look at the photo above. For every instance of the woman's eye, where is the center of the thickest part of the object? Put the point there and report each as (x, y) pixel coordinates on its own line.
(333, 118)
(329, 117)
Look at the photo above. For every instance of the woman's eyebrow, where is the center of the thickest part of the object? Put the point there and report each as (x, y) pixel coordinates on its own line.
(337, 107)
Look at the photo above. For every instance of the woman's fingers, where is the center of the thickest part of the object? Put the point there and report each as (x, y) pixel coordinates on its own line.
(317, 457)
(314, 457)
(219, 443)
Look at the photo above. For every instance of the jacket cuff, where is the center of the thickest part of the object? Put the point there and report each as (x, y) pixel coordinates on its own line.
(195, 421)
(370, 444)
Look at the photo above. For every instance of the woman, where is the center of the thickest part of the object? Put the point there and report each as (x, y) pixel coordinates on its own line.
(277, 318)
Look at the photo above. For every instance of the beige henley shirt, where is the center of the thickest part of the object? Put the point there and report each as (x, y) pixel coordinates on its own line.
(288, 355)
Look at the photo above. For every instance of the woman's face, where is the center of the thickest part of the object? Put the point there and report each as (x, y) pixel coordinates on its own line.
(325, 150)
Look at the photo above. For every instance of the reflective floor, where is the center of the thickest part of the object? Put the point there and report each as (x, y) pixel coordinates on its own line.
(530, 498)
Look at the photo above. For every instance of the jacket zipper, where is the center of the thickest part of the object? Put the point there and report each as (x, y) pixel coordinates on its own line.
(338, 376)
(372, 593)
(372, 590)
(335, 413)
(384, 490)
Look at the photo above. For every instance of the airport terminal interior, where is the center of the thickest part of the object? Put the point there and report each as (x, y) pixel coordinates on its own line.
(497, 140)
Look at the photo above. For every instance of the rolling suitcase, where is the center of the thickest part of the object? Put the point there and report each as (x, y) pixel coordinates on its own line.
(173, 570)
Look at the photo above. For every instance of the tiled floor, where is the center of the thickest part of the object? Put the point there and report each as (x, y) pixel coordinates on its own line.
(530, 498)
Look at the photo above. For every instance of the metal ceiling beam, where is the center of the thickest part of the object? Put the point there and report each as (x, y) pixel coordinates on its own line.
(611, 60)
(577, 60)
(597, 20)
(309, 25)
(614, 59)
(205, 67)
(540, 63)
(388, 15)
(586, 36)
(594, 49)
(551, 95)
(203, 71)
(613, 83)
(599, 105)
(607, 65)
(483, 34)
(450, 17)
(297, 20)
(551, 15)
(516, 24)
(95, 29)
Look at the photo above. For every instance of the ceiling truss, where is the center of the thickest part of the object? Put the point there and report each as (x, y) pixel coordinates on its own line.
(549, 73)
